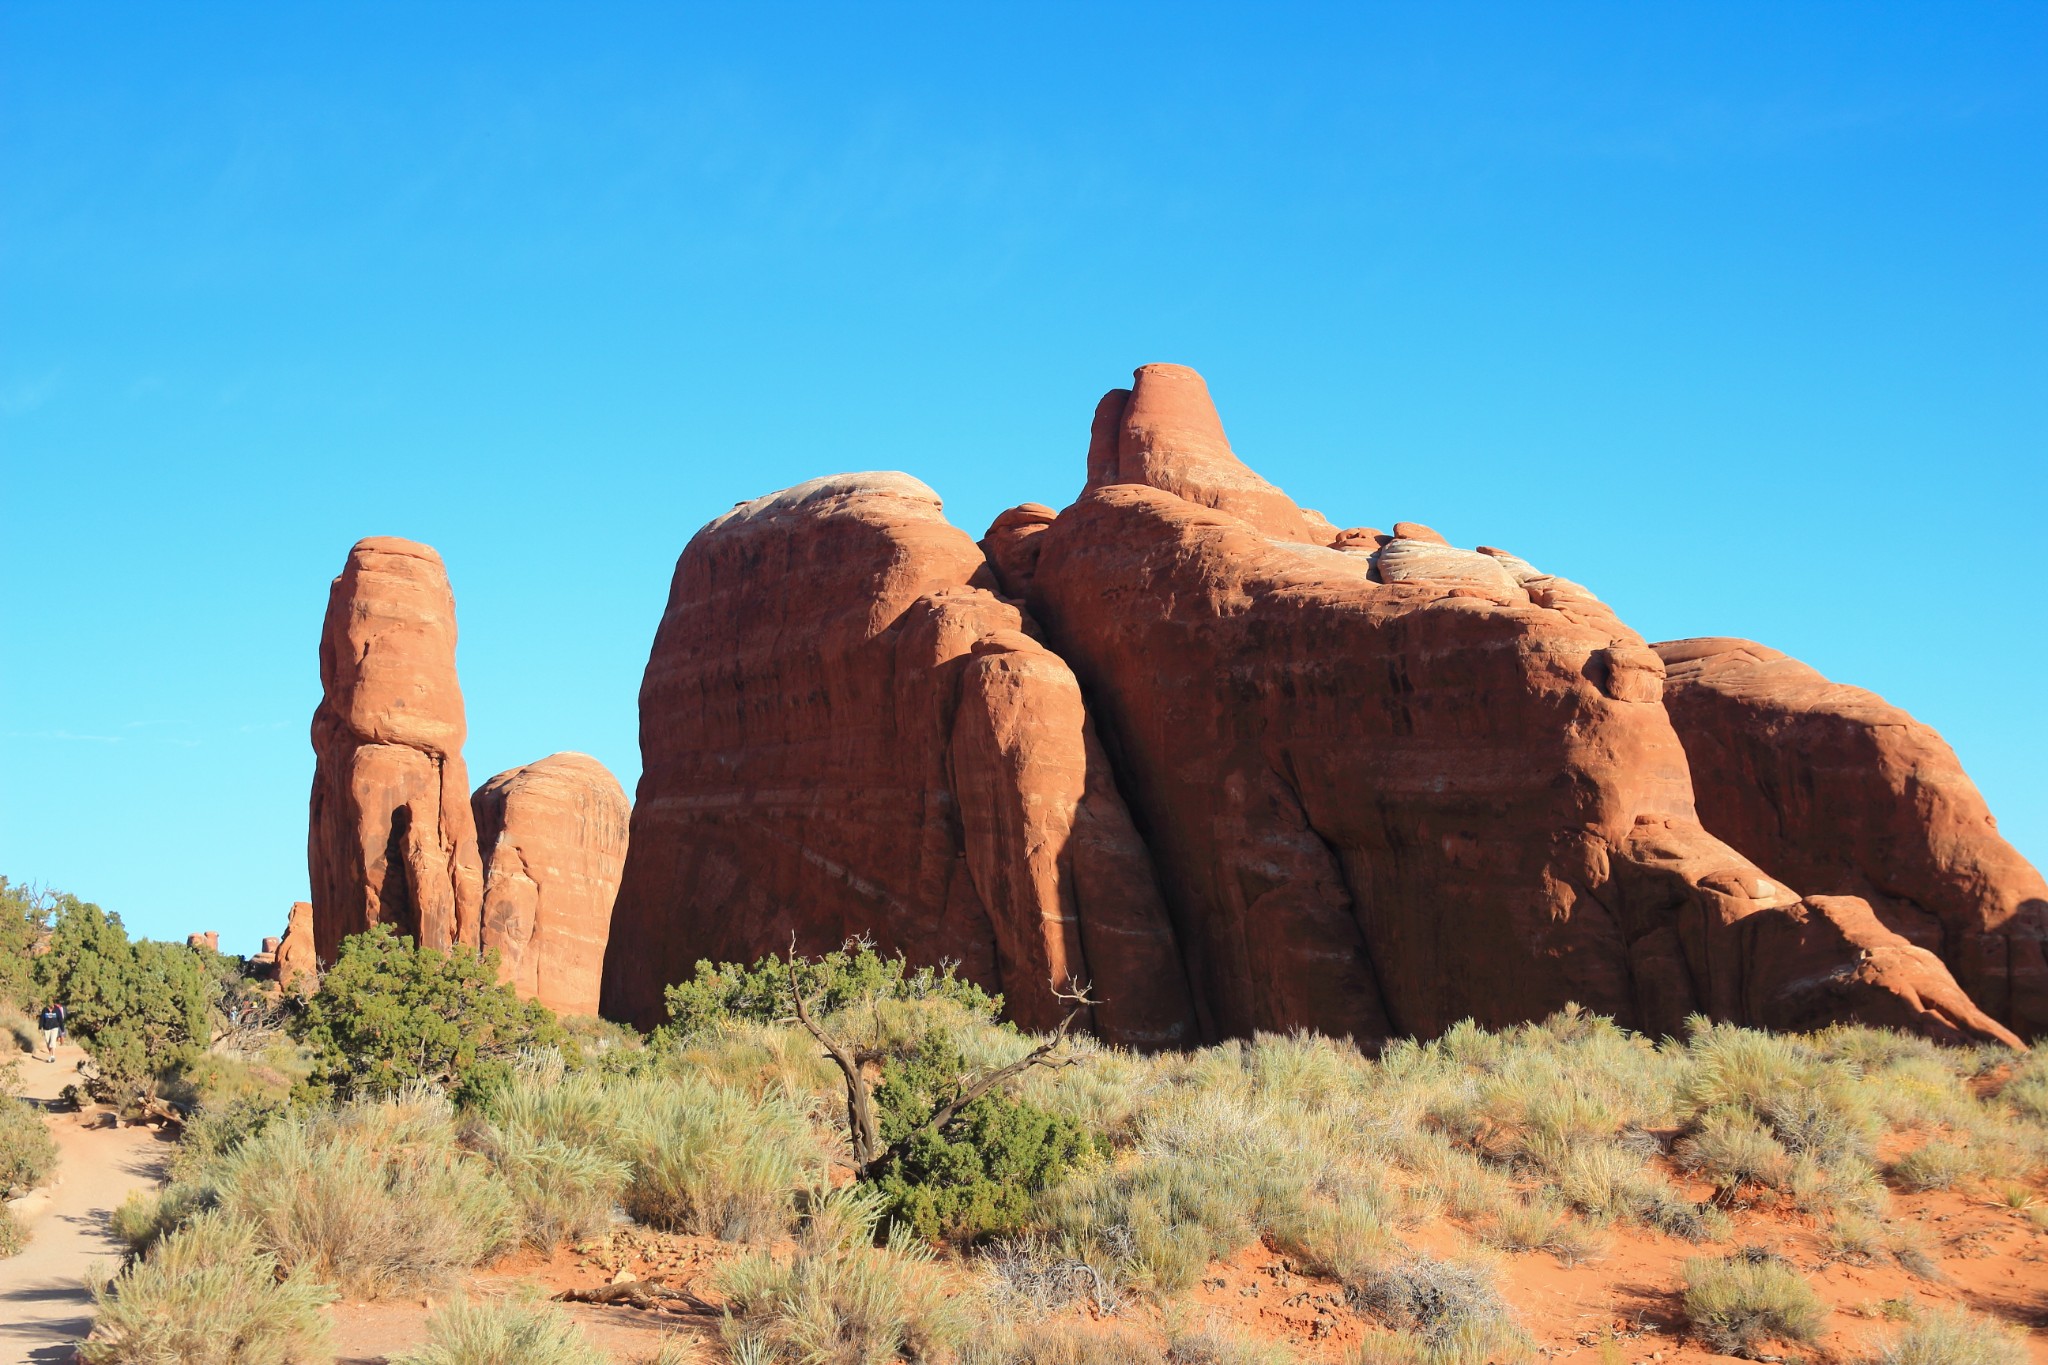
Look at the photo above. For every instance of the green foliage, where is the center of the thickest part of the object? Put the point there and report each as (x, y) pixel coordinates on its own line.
(1737, 1303)
(138, 1008)
(514, 1331)
(725, 993)
(27, 1151)
(208, 1295)
(978, 1176)
(389, 1014)
(24, 919)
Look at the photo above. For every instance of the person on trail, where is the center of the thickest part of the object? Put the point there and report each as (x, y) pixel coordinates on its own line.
(51, 1022)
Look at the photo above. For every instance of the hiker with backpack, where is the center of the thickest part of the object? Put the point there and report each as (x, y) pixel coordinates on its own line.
(51, 1022)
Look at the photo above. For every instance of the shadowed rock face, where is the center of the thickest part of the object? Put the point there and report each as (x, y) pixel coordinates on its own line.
(1350, 781)
(391, 838)
(1849, 795)
(845, 731)
(553, 839)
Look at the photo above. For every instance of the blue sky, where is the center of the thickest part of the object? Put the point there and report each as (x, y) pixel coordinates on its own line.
(1737, 314)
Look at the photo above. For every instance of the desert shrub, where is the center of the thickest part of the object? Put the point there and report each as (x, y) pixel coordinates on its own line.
(1158, 1222)
(564, 1191)
(24, 921)
(27, 1151)
(1737, 1303)
(510, 1331)
(376, 1197)
(13, 1233)
(1732, 1149)
(215, 1131)
(1541, 1223)
(1934, 1165)
(726, 993)
(1441, 1313)
(1954, 1336)
(1057, 1343)
(138, 1008)
(1340, 1238)
(209, 1295)
(714, 1161)
(19, 1029)
(2025, 1091)
(1215, 1343)
(841, 1300)
(977, 1176)
(390, 1013)
(146, 1217)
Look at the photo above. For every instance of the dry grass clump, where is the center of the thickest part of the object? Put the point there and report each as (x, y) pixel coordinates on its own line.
(13, 1233)
(716, 1162)
(550, 1136)
(208, 1295)
(841, 1300)
(1440, 1313)
(27, 1151)
(1737, 1303)
(677, 1148)
(512, 1331)
(377, 1197)
(1954, 1336)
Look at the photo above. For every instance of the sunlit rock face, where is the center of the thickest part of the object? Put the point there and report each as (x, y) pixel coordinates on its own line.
(391, 838)
(1238, 768)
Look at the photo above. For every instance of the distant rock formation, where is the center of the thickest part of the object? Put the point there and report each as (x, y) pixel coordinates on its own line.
(1344, 780)
(289, 959)
(296, 958)
(392, 840)
(1849, 795)
(210, 941)
(844, 730)
(553, 839)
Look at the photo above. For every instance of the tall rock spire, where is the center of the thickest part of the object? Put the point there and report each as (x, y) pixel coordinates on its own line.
(391, 837)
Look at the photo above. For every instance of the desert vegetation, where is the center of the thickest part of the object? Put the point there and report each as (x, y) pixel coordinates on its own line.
(900, 1175)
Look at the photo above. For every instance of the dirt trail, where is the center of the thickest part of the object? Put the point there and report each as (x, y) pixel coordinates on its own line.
(44, 1304)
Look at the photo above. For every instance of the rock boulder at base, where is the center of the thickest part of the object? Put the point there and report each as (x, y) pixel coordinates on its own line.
(844, 730)
(1849, 795)
(553, 839)
(391, 837)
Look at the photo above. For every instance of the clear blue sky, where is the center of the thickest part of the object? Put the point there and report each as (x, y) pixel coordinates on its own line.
(1737, 314)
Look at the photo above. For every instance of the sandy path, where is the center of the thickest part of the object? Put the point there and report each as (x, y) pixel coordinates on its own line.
(44, 1305)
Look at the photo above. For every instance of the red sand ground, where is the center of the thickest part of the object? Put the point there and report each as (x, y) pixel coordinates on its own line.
(1621, 1309)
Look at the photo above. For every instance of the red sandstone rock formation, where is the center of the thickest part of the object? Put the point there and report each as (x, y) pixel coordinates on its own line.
(391, 838)
(553, 839)
(1382, 782)
(294, 955)
(1387, 792)
(290, 958)
(845, 731)
(210, 941)
(1847, 794)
